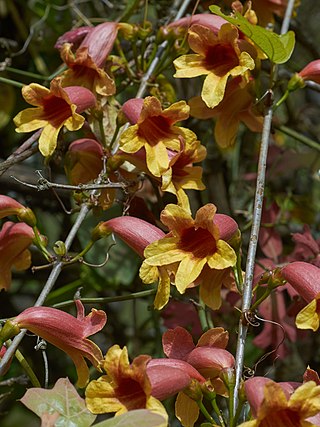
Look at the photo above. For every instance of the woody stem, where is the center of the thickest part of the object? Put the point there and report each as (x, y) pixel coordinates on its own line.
(257, 211)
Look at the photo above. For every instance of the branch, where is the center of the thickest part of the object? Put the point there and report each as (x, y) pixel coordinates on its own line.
(257, 211)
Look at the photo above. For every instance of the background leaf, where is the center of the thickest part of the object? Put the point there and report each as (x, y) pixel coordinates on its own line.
(277, 48)
(61, 405)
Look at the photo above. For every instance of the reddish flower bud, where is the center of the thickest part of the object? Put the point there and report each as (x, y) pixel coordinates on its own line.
(210, 361)
(132, 109)
(213, 22)
(74, 36)
(311, 71)
(9, 206)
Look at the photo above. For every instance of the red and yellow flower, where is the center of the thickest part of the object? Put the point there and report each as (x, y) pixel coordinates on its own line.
(125, 386)
(55, 107)
(279, 405)
(194, 252)
(217, 56)
(154, 130)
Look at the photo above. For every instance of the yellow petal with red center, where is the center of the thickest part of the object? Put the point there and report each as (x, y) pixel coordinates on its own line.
(188, 271)
(188, 66)
(192, 180)
(104, 84)
(163, 255)
(163, 291)
(210, 289)
(29, 119)
(176, 219)
(100, 397)
(308, 318)
(224, 257)
(306, 400)
(186, 409)
(274, 400)
(157, 158)
(213, 89)
(48, 139)
(130, 141)
(34, 94)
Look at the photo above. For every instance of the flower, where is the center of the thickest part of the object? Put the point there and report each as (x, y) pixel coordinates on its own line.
(55, 108)
(65, 332)
(154, 130)
(279, 405)
(192, 253)
(125, 386)
(236, 107)
(305, 279)
(14, 242)
(9, 206)
(208, 357)
(86, 65)
(217, 57)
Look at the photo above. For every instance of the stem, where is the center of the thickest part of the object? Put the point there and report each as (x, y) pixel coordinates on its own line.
(217, 411)
(257, 211)
(11, 82)
(203, 409)
(299, 137)
(27, 368)
(104, 300)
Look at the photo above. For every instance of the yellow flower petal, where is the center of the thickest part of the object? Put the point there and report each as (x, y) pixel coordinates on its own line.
(156, 406)
(213, 89)
(129, 140)
(165, 244)
(100, 397)
(188, 271)
(306, 400)
(176, 219)
(190, 66)
(165, 258)
(308, 318)
(210, 289)
(224, 257)
(34, 94)
(148, 274)
(29, 120)
(163, 291)
(48, 139)
(157, 158)
(75, 122)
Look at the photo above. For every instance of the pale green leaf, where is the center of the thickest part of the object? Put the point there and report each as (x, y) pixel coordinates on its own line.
(136, 418)
(278, 48)
(62, 405)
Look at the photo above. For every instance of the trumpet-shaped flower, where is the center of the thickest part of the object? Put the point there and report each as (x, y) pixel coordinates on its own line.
(193, 252)
(14, 242)
(125, 386)
(217, 56)
(154, 130)
(208, 357)
(65, 332)
(236, 107)
(279, 405)
(305, 279)
(55, 107)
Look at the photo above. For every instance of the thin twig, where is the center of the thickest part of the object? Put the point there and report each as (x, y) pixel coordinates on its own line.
(256, 220)
(57, 267)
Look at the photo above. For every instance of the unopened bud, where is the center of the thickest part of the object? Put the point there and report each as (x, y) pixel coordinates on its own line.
(9, 330)
(26, 215)
(193, 390)
(60, 248)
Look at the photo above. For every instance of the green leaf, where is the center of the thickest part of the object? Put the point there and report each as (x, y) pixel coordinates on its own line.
(136, 418)
(277, 48)
(61, 406)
